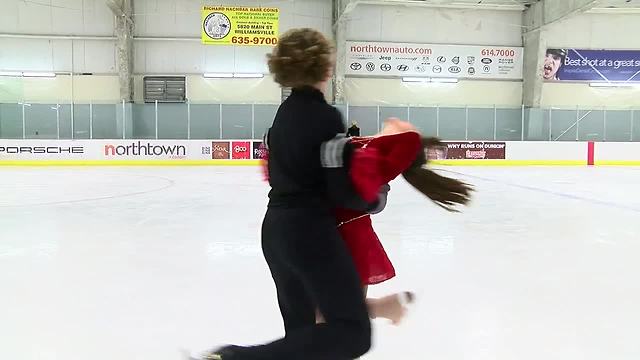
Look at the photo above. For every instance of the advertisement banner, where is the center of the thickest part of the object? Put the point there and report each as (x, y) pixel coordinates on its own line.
(128, 150)
(220, 150)
(43, 150)
(96, 150)
(468, 150)
(229, 25)
(146, 150)
(427, 60)
(258, 150)
(241, 150)
(592, 65)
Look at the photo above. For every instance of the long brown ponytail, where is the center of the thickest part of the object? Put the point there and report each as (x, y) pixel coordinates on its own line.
(444, 191)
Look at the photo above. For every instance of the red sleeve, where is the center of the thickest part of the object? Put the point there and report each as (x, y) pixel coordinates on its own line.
(382, 160)
(366, 173)
(399, 156)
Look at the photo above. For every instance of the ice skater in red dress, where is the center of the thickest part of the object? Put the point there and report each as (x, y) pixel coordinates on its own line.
(398, 149)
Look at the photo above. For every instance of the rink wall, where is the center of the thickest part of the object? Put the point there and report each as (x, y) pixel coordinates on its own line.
(130, 152)
(249, 152)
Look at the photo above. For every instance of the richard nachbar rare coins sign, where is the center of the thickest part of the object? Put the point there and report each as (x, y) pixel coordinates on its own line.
(238, 25)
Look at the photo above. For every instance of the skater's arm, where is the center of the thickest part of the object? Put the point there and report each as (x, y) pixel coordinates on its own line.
(355, 178)
(336, 158)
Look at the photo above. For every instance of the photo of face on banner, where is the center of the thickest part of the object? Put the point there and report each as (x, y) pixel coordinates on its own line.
(553, 61)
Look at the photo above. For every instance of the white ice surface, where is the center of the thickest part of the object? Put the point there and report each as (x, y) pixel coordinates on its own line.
(136, 263)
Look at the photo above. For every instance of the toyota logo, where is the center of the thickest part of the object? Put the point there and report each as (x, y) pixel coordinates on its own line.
(356, 66)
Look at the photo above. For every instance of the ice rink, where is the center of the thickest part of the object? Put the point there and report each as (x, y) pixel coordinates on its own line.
(136, 263)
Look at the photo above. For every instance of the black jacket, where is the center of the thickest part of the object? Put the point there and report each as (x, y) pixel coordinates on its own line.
(353, 131)
(300, 174)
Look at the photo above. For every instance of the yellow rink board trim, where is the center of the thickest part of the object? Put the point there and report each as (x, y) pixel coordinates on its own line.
(257, 162)
(510, 162)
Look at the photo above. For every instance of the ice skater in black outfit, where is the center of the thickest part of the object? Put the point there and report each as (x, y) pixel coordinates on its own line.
(309, 262)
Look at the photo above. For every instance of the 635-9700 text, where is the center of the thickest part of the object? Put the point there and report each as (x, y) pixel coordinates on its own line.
(254, 40)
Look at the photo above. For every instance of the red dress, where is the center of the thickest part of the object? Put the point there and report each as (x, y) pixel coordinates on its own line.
(376, 162)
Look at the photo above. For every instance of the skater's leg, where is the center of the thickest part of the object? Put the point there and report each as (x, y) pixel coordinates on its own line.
(320, 318)
(307, 246)
(296, 306)
(330, 275)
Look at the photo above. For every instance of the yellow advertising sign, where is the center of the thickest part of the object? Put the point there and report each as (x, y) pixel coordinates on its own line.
(237, 25)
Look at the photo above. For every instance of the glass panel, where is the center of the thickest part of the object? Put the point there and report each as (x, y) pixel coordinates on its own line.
(591, 127)
(81, 118)
(635, 131)
(263, 118)
(366, 117)
(452, 123)
(105, 125)
(563, 125)
(425, 119)
(386, 112)
(236, 121)
(10, 121)
(618, 125)
(144, 121)
(65, 121)
(41, 121)
(509, 124)
(480, 124)
(205, 121)
(172, 121)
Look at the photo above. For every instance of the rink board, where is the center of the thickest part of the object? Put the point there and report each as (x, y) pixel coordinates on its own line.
(249, 153)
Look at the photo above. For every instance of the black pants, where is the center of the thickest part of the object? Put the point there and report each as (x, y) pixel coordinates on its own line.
(312, 267)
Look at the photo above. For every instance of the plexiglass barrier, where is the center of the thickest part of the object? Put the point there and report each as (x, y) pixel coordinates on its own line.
(249, 121)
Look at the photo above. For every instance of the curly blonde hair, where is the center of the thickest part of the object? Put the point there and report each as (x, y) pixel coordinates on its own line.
(302, 57)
